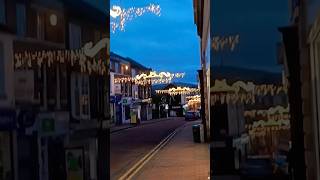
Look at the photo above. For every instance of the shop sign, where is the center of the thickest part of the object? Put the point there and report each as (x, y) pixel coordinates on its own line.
(126, 101)
(7, 119)
(47, 125)
(75, 163)
(176, 107)
(149, 100)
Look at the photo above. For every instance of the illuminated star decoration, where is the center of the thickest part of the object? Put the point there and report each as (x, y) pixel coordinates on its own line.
(120, 15)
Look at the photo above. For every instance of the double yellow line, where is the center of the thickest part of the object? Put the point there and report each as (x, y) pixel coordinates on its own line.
(139, 165)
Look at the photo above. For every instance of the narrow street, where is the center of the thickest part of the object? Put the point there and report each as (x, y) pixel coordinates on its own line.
(128, 146)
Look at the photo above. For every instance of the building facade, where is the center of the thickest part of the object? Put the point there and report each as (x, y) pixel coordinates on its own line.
(202, 20)
(300, 40)
(57, 91)
(130, 101)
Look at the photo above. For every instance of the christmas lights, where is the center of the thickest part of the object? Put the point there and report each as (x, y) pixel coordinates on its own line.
(121, 15)
(151, 78)
(179, 91)
(49, 57)
(220, 43)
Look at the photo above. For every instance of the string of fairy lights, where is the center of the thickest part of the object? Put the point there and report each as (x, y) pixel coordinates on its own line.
(120, 16)
(179, 91)
(152, 78)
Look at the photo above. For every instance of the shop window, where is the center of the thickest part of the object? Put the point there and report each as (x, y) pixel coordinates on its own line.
(74, 36)
(2, 12)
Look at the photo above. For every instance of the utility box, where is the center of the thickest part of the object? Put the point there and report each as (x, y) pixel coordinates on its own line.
(196, 133)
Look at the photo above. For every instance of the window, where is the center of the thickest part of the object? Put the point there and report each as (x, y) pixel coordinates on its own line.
(80, 96)
(74, 36)
(21, 19)
(2, 12)
(133, 72)
(2, 69)
(63, 86)
(40, 26)
(117, 67)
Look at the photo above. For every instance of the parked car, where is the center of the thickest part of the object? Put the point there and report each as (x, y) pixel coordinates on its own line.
(191, 116)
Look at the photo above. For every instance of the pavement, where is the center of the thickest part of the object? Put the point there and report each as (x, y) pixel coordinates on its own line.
(180, 159)
(128, 146)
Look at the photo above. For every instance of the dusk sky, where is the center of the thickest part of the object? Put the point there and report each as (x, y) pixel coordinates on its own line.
(170, 42)
(257, 23)
(165, 43)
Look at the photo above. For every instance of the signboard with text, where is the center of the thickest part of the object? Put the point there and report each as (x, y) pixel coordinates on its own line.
(75, 163)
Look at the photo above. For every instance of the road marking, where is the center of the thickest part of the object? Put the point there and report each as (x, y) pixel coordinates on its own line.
(139, 165)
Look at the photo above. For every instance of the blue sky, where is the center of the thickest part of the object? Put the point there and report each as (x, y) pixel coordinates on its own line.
(165, 43)
(257, 23)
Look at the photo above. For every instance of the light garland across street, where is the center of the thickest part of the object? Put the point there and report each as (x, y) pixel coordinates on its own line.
(151, 78)
(179, 91)
(120, 16)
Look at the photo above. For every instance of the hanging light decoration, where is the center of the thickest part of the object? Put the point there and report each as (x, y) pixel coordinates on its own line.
(179, 91)
(219, 43)
(193, 100)
(120, 16)
(151, 78)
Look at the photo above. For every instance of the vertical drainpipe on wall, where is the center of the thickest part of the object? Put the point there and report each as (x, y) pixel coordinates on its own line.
(202, 111)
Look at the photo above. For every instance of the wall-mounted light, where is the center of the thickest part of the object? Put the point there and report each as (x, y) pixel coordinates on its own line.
(53, 20)
(127, 67)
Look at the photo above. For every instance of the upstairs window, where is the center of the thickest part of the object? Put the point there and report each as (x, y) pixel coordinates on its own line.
(21, 19)
(74, 36)
(80, 96)
(3, 17)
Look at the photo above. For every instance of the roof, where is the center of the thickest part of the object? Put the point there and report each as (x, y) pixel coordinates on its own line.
(233, 74)
(85, 11)
(114, 56)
